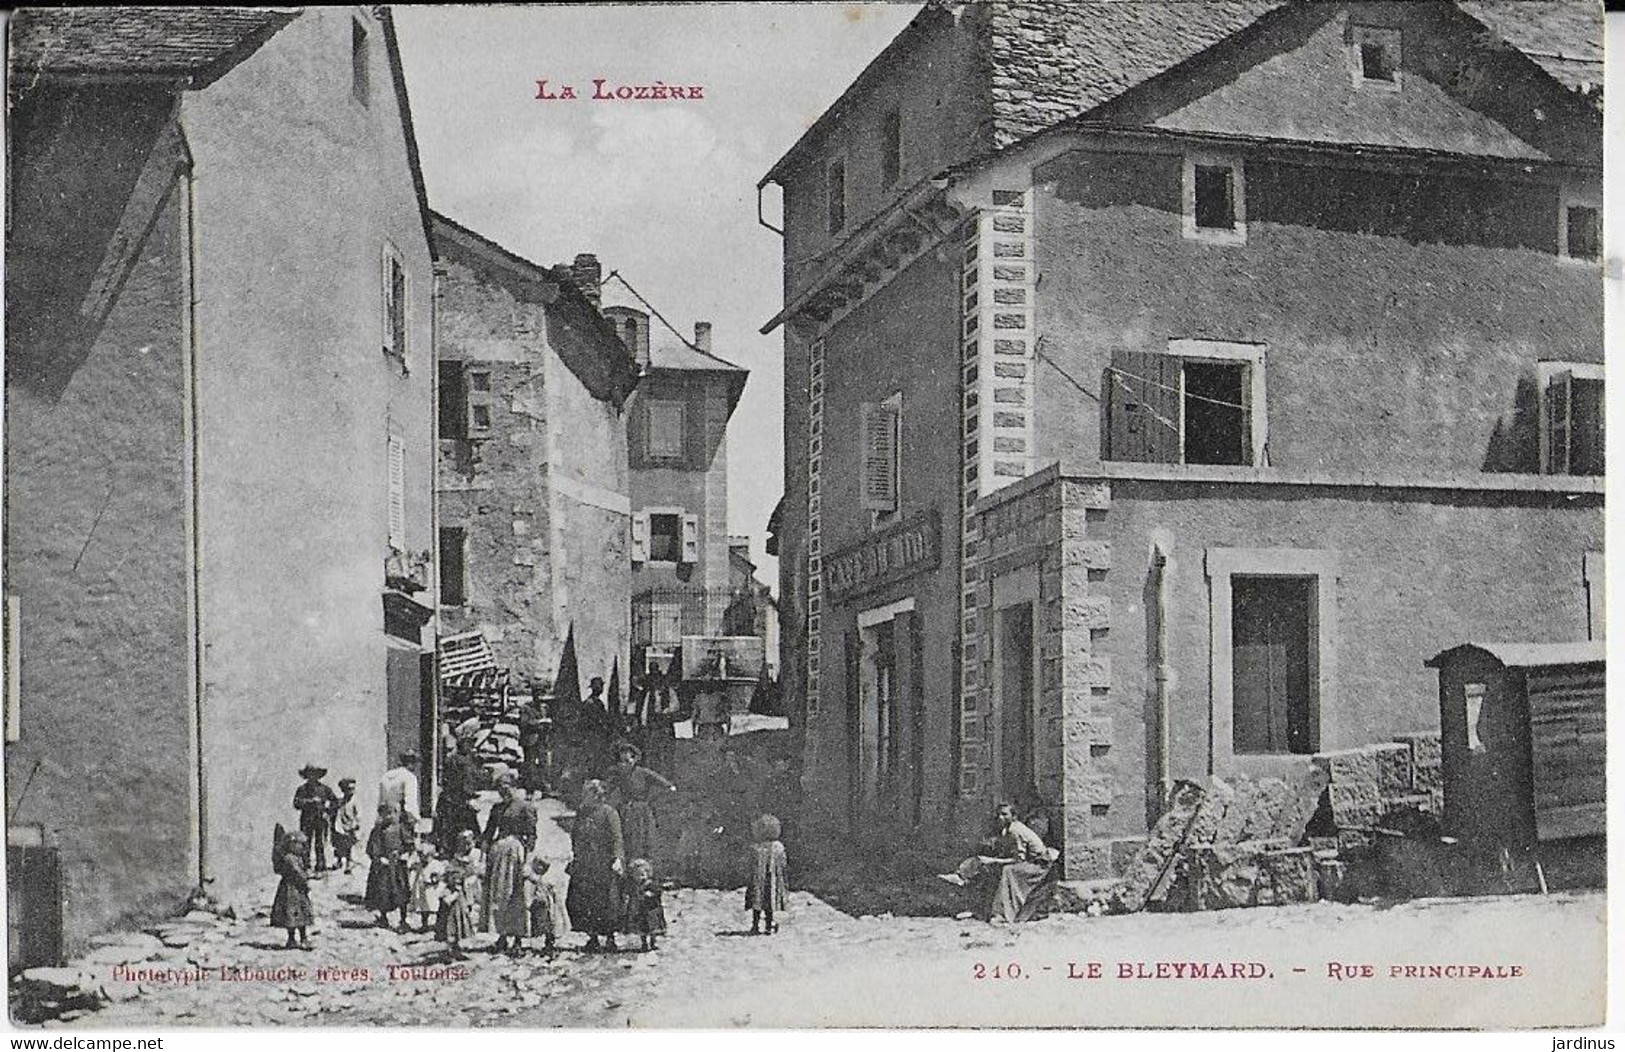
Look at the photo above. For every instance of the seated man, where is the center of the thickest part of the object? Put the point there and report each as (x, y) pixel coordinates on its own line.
(1016, 863)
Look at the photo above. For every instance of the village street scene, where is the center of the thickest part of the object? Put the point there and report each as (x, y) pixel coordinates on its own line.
(975, 513)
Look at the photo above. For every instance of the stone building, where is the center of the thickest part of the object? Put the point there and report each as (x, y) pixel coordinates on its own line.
(1272, 338)
(219, 442)
(677, 442)
(534, 486)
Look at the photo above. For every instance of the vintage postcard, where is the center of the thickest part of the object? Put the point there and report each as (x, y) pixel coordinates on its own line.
(963, 514)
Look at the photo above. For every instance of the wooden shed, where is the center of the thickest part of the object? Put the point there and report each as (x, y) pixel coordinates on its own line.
(1522, 733)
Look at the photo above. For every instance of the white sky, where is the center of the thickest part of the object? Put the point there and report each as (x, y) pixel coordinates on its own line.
(663, 191)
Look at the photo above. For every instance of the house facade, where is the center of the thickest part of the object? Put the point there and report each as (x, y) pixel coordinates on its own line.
(677, 443)
(1272, 341)
(220, 420)
(534, 485)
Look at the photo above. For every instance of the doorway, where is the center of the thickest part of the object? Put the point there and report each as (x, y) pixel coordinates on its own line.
(1015, 681)
(1273, 658)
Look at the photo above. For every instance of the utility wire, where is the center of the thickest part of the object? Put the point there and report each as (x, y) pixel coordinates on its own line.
(616, 275)
(1193, 397)
(1068, 376)
(1156, 415)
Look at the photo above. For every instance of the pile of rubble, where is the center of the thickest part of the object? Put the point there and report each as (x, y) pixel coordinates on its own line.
(1348, 824)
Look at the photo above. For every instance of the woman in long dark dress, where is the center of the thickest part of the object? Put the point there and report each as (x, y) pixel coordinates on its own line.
(453, 811)
(630, 790)
(594, 899)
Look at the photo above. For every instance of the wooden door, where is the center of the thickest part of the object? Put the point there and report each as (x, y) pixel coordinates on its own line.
(1271, 662)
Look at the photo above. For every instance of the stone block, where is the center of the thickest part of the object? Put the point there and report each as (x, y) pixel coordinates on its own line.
(1425, 748)
(1083, 494)
(1387, 766)
(1088, 785)
(1333, 876)
(1086, 859)
(1205, 825)
(1084, 896)
(1086, 612)
(1152, 865)
(1083, 669)
(1084, 731)
(1250, 873)
(1124, 850)
(1356, 804)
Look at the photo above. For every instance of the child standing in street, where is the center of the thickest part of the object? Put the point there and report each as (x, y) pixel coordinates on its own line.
(423, 872)
(470, 856)
(346, 823)
(548, 917)
(456, 921)
(766, 894)
(645, 914)
(291, 907)
(387, 889)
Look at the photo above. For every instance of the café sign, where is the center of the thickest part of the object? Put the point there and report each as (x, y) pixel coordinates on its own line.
(892, 554)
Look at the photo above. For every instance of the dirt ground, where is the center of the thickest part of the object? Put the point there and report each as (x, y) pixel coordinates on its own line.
(1539, 962)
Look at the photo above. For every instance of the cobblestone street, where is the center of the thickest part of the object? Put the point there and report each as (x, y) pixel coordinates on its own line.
(826, 967)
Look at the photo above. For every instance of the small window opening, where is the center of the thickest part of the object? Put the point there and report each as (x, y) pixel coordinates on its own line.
(453, 566)
(835, 193)
(1215, 197)
(1584, 234)
(1216, 427)
(665, 537)
(453, 401)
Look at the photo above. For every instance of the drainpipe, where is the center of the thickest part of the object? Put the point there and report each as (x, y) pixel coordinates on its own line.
(437, 273)
(194, 513)
(1161, 679)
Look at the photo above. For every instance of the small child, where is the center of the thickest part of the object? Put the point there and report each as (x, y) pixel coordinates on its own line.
(548, 917)
(291, 907)
(645, 915)
(387, 889)
(424, 872)
(456, 919)
(470, 857)
(766, 893)
(346, 823)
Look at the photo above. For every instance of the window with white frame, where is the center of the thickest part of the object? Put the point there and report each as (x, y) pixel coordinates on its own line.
(1571, 417)
(1375, 57)
(1272, 662)
(1203, 402)
(1579, 226)
(1215, 199)
(665, 535)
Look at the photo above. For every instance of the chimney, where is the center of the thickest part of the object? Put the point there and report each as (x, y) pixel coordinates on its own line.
(702, 336)
(587, 275)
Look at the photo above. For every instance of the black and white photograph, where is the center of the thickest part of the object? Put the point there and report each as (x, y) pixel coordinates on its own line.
(968, 514)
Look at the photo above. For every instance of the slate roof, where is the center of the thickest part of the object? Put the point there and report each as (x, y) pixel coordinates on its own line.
(670, 356)
(196, 43)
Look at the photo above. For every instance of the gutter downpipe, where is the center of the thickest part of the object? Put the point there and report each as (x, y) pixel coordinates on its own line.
(1161, 677)
(194, 505)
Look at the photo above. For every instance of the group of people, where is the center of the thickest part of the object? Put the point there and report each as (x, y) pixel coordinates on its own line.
(461, 878)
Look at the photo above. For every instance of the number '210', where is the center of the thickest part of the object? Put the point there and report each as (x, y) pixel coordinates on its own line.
(997, 971)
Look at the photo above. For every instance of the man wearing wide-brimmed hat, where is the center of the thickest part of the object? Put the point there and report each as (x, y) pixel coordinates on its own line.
(314, 800)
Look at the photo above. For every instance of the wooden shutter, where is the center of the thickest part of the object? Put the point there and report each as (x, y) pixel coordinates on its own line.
(397, 493)
(640, 537)
(691, 539)
(1585, 427)
(1142, 408)
(879, 481)
(1556, 436)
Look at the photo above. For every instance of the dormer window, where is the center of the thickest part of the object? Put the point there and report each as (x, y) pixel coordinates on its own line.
(1374, 57)
(1579, 235)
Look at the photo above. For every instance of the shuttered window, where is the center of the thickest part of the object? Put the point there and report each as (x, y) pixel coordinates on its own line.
(1572, 424)
(1142, 410)
(394, 304)
(397, 493)
(881, 450)
(640, 537)
(666, 434)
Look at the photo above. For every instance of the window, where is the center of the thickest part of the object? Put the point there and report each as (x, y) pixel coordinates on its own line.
(1571, 418)
(665, 536)
(1270, 653)
(1273, 654)
(891, 148)
(453, 392)
(835, 195)
(453, 566)
(1374, 57)
(479, 402)
(1215, 200)
(665, 440)
(394, 289)
(360, 70)
(397, 493)
(1591, 571)
(1579, 218)
(1201, 403)
(882, 434)
(665, 623)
